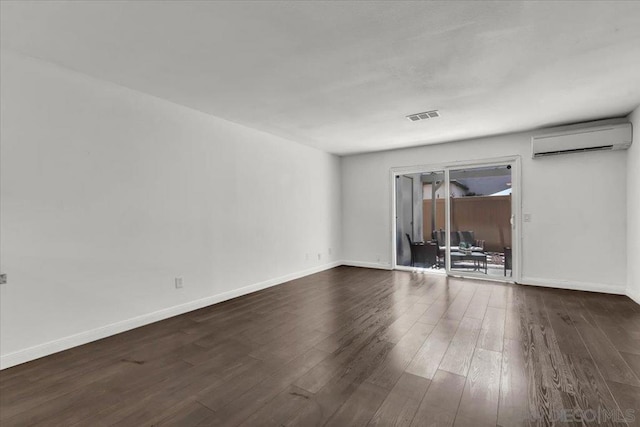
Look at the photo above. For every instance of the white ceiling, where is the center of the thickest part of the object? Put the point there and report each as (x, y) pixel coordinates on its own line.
(341, 76)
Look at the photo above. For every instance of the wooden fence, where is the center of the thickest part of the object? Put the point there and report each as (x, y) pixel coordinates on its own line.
(487, 216)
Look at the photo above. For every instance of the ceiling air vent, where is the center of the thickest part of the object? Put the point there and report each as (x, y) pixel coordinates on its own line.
(423, 116)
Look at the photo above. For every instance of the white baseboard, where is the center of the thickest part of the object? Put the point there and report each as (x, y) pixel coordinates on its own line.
(574, 286)
(635, 296)
(367, 264)
(41, 350)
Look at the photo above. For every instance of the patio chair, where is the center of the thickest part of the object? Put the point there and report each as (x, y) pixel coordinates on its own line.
(429, 253)
(413, 250)
(469, 238)
(423, 252)
(507, 261)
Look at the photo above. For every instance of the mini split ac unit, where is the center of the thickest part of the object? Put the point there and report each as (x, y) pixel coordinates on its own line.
(595, 136)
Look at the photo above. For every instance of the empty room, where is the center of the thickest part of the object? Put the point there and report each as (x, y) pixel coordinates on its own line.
(307, 213)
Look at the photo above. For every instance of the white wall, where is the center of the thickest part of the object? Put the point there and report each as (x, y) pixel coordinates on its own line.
(108, 194)
(577, 237)
(633, 210)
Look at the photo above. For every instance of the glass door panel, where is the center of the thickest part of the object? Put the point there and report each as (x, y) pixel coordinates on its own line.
(420, 213)
(480, 221)
(404, 219)
(434, 198)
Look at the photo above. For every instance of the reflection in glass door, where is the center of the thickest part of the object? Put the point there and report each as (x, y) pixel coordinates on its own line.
(404, 219)
(480, 221)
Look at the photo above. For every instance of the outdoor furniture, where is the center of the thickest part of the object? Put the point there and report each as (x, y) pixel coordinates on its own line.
(412, 247)
(425, 253)
(440, 237)
(479, 260)
(468, 237)
(508, 261)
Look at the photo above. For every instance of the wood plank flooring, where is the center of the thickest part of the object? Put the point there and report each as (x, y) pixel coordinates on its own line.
(352, 346)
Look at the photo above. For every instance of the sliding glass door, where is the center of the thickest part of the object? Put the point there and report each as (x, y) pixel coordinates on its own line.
(457, 219)
(480, 221)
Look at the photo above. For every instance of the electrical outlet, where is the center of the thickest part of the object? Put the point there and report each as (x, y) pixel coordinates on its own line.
(178, 282)
(527, 217)
(329, 251)
(319, 256)
(3, 279)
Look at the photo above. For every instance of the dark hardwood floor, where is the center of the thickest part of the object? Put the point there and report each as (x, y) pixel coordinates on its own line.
(352, 346)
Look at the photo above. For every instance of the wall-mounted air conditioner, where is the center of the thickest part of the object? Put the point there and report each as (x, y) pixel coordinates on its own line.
(595, 136)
